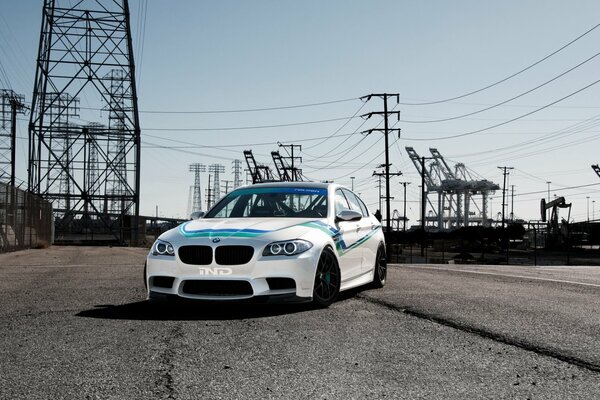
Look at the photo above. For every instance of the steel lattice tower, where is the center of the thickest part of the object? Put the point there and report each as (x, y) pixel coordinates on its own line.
(237, 173)
(197, 168)
(60, 108)
(117, 92)
(10, 104)
(85, 53)
(95, 131)
(216, 170)
(5, 135)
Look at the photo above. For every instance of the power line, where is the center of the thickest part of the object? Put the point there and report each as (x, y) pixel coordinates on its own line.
(355, 131)
(237, 145)
(508, 77)
(510, 120)
(581, 125)
(242, 110)
(344, 154)
(564, 188)
(341, 127)
(234, 128)
(505, 101)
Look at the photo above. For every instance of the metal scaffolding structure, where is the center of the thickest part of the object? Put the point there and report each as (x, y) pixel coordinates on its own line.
(90, 172)
(455, 189)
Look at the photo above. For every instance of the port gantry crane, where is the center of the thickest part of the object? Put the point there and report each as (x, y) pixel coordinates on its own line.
(455, 192)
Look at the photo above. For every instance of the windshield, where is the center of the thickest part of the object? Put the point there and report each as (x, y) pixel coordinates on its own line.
(272, 202)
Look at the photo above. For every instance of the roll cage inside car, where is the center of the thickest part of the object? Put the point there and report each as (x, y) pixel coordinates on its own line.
(271, 203)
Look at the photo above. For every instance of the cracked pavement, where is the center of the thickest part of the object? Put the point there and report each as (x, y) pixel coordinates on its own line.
(75, 325)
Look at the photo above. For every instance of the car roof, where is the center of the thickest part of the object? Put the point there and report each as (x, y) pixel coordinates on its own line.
(318, 185)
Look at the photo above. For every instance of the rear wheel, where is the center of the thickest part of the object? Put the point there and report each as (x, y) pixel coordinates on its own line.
(327, 279)
(380, 273)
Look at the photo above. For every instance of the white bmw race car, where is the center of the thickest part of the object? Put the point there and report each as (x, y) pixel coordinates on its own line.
(289, 240)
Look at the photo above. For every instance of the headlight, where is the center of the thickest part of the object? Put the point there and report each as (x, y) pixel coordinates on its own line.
(162, 248)
(287, 248)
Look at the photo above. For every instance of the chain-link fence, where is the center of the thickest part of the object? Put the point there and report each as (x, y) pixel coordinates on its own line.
(26, 220)
(533, 244)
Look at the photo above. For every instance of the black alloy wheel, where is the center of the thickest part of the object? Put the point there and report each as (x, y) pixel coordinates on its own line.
(327, 279)
(380, 273)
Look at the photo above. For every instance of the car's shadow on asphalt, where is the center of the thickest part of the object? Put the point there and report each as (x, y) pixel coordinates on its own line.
(200, 310)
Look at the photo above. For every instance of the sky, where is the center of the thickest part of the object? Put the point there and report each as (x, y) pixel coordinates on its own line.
(198, 56)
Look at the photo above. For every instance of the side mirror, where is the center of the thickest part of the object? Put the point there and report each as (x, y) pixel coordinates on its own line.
(197, 214)
(348, 215)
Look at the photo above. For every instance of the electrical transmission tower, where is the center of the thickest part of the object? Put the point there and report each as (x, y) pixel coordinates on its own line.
(93, 131)
(10, 104)
(197, 168)
(216, 170)
(237, 173)
(90, 171)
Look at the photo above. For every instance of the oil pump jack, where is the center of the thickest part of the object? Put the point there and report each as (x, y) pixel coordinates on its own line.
(557, 234)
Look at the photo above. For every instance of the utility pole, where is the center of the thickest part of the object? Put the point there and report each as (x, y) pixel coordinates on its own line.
(379, 175)
(512, 203)
(295, 175)
(352, 179)
(423, 199)
(386, 132)
(548, 183)
(404, 218)
(227, 186)
(588, 208)
(505, 174)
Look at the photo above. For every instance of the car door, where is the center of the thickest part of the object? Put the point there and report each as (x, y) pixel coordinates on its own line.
(364, 229)
(350, 257)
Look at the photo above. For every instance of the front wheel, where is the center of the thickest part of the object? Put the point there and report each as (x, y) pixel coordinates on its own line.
(146, 276)
(380, 273)
(327, 279)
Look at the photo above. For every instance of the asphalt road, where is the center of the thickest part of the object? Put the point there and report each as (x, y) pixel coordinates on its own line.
(74, 324)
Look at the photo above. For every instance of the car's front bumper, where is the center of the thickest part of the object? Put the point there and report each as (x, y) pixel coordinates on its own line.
(169, 276)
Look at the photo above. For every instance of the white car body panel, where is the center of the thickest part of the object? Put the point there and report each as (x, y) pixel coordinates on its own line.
(355, 245)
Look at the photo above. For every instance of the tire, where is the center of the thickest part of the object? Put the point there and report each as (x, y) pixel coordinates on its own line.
(145, 276)
(327, 279)
(380, 273)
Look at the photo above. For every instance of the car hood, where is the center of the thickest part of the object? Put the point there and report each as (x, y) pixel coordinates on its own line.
(244, 227)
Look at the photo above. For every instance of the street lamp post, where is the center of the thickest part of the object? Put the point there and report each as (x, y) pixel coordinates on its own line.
(404, 215)
(588, 208)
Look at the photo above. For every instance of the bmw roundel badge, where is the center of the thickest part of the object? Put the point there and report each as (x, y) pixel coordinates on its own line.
(216, 240)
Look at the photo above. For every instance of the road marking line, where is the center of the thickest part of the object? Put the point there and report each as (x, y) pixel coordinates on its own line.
(506, 275)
